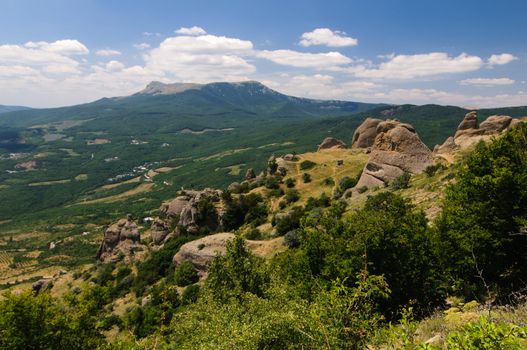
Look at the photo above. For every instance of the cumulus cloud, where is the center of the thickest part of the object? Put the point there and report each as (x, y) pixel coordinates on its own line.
(293, 58)
(321, 86)
(327, 37)
(191, 31)
(142, 46)
(501, 59)
(107, 53)
(487, 81)
(201, 58)
(62, 47)
(420, 65)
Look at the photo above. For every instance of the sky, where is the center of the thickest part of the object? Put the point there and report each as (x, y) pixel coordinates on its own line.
(466, 53)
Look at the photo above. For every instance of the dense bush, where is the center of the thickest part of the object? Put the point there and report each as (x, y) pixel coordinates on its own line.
(291, 196)
(290, 182)
(185, 274)
(401, 182)
(306, 178)
(307, 164)
(245, 209)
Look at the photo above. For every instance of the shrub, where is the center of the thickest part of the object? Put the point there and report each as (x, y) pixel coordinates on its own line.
(362, 189)
(401, 182)
(347, 182)
(432, 169)
(328, 182)
(190, 294)
(488, 335)
(307, 164)
(185, 274)
(290, 183)
(271, 182)
(291, 196)
(254, 234)
(292, 239)
(306, 178)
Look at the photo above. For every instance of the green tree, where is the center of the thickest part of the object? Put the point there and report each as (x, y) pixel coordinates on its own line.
(481, 229)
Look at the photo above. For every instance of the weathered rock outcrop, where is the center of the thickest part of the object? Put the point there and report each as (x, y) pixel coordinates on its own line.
(193, 210)
(397, 150)
(159, 231)
(250, 174)
(331, 142)
(42, 285)
(202, 251)
(468, 133)
(121, 240)
(365, 134)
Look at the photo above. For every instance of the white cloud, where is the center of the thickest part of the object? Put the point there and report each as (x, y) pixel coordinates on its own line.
(321, 86)
(292, 58)
(327, 37)
(424, 96)
(63, 47)
(201, 58)
(421, 65)
(107, 53)
(114, 66)
(501, 59)
(487, 81)
(52, 57)
(142, 46)
(191, 31)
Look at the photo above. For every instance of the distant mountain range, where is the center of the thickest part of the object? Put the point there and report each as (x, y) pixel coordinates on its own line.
(5, 109)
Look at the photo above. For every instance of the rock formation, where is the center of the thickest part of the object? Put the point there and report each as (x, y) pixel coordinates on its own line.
(202, 251)
(185, 210)
(120, 240)
(42, 285)
(331, 142)
(469, 133)
(159, 231)
(396, 150)
(365, 134)
(249, 175)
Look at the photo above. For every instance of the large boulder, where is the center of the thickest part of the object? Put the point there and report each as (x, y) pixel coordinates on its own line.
(202, 251)
(120, 240)
(397, 150)
(331, 142)
(42, 285)
(365, 134)
(159, 231)
(186, 212)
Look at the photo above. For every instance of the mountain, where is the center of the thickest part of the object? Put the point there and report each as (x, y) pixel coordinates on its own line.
(5, 109)
(215, 100)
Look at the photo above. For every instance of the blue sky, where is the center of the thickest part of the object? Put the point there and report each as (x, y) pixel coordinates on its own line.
(468, 53)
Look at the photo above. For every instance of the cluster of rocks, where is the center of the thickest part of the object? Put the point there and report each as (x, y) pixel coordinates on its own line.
(184, 213)
(332, 143)
(121, 240)
(395, 149)
(469, 133)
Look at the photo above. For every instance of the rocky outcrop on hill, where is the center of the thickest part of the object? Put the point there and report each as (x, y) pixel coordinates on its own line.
(365, 134)
(468, 133)
(202, 251)
(42, 285)
(397, 149)
(193, 210)
(121, 240)
(250, 174)
(331, 142)
(159, 231)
